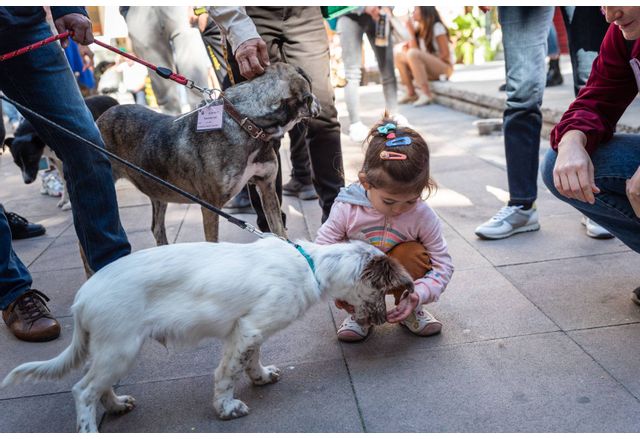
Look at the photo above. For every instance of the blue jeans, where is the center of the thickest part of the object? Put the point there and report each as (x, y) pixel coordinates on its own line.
(524, 36)
(614, 163)
(552, 42)
(586, 27)
(42, 81)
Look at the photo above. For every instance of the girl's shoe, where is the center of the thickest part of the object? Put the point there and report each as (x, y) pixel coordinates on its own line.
(422, 100)
(351, 331)
(421, 323)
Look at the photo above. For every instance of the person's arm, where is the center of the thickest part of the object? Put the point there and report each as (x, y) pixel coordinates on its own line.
(248, 47)
(428, 288)
(413, 43)
(443, 48)
(602, 101)
(591, 119)
(434, 282)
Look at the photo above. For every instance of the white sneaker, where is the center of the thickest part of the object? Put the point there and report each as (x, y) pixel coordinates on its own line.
(351, 331)
(401, 120)
(358, 132)
(421, 323)
(422, 100)
(595, 230)
(508, 221)
(51, 184)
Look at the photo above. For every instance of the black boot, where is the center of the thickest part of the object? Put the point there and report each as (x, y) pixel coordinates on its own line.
(554, 77)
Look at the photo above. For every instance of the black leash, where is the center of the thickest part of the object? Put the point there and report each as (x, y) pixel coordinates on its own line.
(238, 222)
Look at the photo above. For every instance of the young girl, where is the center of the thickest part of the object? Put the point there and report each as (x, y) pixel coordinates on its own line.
(426, 57)
(385, 209)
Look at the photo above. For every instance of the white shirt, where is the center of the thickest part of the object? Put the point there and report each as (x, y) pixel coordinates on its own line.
(438, 29)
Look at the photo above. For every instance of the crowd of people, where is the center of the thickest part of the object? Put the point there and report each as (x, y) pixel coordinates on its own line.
(589, 166)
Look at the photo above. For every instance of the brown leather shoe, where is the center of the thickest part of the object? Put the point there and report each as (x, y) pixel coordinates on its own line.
(29, 319)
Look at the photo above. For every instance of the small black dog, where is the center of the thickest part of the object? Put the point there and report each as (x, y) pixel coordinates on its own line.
(27, 148)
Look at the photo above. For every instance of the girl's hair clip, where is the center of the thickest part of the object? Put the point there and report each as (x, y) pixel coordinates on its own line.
(390, 155)
(400, 141)
(384, 129)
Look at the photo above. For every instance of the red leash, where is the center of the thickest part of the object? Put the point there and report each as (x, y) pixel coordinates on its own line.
(33, 46)
(162, 71)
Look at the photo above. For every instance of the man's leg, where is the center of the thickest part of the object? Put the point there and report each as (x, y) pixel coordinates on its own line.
(150, 41)
(189, 53)
(614, 163)
(524, 32)
(583, 45)
(14, 276)
(305, 45)
(42, 81)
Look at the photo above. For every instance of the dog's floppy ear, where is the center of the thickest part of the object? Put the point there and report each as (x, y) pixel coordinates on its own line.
(386, 274)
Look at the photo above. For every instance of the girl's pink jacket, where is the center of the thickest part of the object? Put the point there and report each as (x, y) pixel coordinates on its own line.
(353, 217)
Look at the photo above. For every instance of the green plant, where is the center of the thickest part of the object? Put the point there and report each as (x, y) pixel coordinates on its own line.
(468, 34)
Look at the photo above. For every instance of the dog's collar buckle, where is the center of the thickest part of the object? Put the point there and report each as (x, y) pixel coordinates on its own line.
(252, 129)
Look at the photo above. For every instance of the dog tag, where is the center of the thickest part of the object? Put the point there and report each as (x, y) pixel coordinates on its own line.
(210, 116)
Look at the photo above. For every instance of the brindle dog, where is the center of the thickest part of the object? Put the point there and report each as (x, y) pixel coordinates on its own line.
(213, 165)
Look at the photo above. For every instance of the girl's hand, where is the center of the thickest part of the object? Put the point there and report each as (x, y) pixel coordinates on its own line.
(573, 173)
(633, 192)
(404, 308)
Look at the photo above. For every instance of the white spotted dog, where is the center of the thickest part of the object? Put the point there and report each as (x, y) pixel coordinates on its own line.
(242, 293)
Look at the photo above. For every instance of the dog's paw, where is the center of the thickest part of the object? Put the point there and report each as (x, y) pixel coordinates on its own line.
(126, 403)
(231, 409)
(64, 205)
(269, 375)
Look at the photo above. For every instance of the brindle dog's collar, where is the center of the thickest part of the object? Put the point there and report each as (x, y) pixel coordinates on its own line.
(247, 124)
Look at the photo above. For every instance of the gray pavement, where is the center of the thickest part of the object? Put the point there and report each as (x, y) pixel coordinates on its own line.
(539, 332)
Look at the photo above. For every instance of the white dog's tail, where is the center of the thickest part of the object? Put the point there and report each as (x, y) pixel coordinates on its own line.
(57, 367)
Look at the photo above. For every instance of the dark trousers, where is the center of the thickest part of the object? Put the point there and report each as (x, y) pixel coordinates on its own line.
(42, 80)
(296, 35)
(586, 27)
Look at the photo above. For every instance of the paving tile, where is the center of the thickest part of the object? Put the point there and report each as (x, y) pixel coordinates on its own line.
(479, 304)
(61, 255)
(28, 250)
(61, 287)
(615, 348)
(53, 413)
(583, 292)
(310, 397)
(16, 352)
(542, 383)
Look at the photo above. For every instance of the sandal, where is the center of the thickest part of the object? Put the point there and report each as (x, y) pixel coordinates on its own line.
(350, 331)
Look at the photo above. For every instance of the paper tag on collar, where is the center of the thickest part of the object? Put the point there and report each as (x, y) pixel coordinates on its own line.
(210, 116)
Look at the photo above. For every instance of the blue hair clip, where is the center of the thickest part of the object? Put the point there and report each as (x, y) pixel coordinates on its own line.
(399, 141)
(384, 129)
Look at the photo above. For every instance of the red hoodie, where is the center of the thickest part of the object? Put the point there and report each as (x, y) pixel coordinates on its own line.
(611, 87)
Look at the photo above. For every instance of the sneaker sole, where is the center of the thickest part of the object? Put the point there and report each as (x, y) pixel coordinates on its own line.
(530, 228)
(433, 329)
(353, 337)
